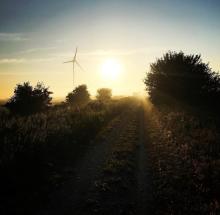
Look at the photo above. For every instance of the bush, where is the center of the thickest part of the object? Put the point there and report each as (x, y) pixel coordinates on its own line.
(79, 96)
(183, 78)
(27, 100)
(104, 95)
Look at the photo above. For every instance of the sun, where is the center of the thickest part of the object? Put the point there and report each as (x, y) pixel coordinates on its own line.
(111, 69)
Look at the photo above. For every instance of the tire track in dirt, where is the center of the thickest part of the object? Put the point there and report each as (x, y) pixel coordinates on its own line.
(144, 182)
(69, 199)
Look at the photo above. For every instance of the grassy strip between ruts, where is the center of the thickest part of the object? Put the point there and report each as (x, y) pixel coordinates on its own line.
(112, 192)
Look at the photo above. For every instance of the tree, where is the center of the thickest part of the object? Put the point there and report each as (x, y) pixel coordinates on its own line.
(104, 94)
(184, 78)
(27, 100)
(79, 96)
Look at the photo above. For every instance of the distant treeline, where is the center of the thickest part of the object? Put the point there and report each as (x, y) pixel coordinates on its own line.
(28, 99)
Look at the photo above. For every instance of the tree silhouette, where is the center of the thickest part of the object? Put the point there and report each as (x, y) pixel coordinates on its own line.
(104, 94)
(183, 78)
(27, 100)
(79, 96)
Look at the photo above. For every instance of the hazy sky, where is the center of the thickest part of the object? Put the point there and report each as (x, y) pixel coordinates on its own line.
(36, 36)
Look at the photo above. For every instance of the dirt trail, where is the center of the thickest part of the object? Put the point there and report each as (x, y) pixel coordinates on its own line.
(124, 148)
(126, 186)
(70, 198)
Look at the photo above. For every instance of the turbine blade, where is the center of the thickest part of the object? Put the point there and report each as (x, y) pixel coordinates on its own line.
(75, 54)
(68, 61)
(80, 66)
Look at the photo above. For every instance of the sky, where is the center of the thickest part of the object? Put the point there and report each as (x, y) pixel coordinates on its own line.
(37, 36)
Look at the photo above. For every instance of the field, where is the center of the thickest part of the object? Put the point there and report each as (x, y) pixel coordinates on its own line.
(124, 157)
(184, 151)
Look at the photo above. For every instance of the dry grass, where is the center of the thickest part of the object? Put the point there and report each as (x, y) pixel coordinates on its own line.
(35, 151)
(185, 159)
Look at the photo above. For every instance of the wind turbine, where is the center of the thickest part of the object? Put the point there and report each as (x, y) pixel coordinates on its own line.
(74, 61)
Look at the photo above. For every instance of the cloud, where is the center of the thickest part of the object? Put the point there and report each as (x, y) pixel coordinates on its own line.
(15, 37)
(12, 61)
(40, 60)
(60, 41)
(100, 52)
(111, 52)
(97, 53)
(122, 52)
(25, 60)
(33, 50)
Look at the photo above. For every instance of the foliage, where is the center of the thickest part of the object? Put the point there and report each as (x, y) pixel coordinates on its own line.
(79, 96)
(184, 78)
(28, 100)
(184, 152)
(35, 150)
(104, 94)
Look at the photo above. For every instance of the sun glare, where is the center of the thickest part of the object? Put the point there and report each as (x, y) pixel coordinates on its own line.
(111, 69)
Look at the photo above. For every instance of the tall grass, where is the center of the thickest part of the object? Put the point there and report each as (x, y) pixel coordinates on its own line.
(185, 154)
(36, 150)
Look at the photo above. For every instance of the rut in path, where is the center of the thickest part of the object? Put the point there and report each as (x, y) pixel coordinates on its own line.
(70, 198)
(144, 182)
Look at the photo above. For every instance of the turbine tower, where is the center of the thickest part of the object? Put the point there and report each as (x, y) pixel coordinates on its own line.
(74, 61)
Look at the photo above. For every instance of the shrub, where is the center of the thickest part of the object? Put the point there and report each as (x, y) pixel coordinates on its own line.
(27, 100)
(183, 78)
(104, 94)
(79, 96)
